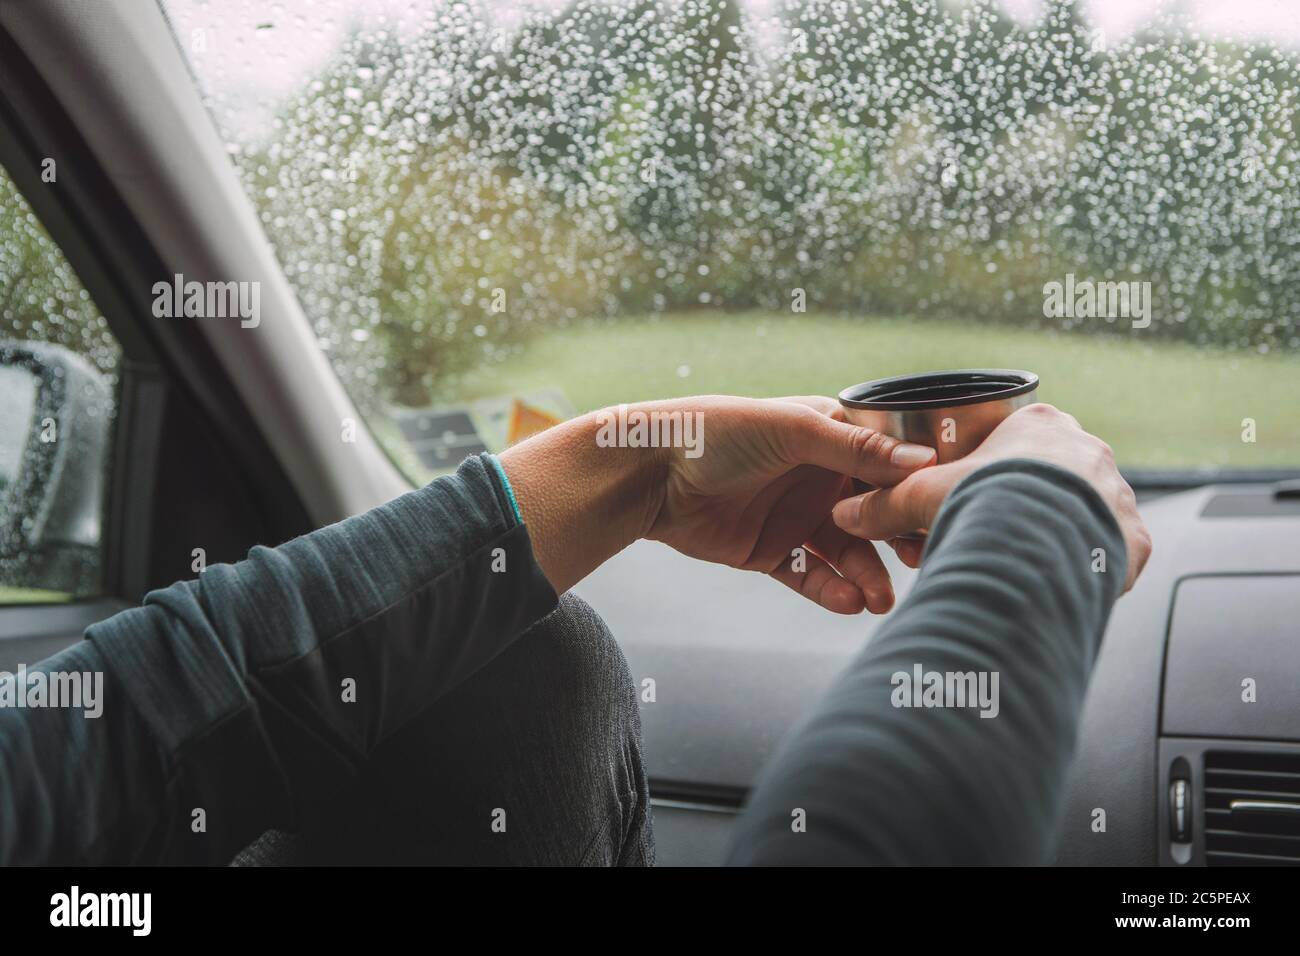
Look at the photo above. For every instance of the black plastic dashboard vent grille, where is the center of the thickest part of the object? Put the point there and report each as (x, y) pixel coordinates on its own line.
(1252, 809)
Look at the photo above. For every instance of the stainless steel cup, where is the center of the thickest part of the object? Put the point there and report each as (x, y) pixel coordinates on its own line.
(952, 411)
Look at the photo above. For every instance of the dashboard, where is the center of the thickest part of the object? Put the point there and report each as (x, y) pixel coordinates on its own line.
(1190, 737)
(1189, 740)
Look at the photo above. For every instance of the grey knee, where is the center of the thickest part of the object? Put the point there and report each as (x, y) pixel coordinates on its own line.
(573, 648)
(585, 686)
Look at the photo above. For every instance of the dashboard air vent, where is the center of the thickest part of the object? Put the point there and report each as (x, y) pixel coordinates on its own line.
(1252, 809)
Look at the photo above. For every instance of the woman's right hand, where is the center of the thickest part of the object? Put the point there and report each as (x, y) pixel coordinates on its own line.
(1040, 432)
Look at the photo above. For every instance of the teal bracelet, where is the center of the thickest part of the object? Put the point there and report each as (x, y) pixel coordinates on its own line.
(505, 483)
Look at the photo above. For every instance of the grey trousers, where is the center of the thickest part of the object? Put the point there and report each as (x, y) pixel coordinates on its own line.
(535, 760)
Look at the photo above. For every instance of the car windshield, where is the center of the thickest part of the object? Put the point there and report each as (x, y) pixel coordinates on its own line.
(498, 213)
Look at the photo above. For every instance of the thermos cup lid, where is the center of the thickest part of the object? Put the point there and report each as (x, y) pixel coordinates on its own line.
(947, 389)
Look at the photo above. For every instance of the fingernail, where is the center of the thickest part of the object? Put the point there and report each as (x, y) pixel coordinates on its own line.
(908, 455)
(846, 511)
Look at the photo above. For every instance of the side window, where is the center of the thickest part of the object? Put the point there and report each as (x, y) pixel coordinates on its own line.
(58, 375)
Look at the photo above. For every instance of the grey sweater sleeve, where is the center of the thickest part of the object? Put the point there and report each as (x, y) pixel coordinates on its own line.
(250, 693)
(880, 775)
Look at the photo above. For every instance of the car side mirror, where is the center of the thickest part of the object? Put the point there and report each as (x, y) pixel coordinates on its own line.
(55, 416)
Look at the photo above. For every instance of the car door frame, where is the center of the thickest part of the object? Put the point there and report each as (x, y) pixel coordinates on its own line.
(169, 381)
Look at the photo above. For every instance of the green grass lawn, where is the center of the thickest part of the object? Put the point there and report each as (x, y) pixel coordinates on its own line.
(10, 595)
(1159, 404)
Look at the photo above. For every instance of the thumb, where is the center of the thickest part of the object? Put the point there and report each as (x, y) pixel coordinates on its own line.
(888, 512)
(874, 457)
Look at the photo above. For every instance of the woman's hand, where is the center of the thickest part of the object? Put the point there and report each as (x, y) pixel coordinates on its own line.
(1038, 432)
(751, 485)
(760, 493)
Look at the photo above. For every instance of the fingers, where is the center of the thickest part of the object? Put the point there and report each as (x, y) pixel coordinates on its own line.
(819, 583)
(1137, 539)
(1139, 550)
(890, 512)
(876, 458)
(909, 550)
(858, 562)
(818, 403)
(839, 572)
